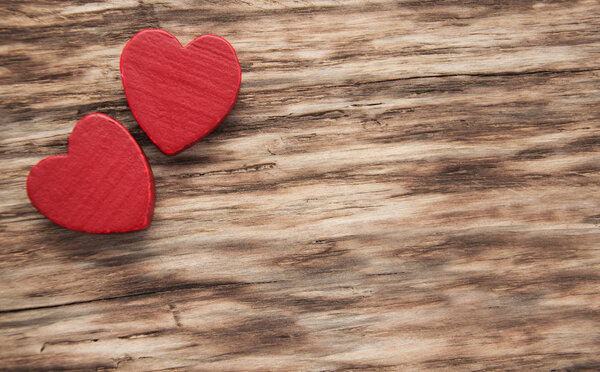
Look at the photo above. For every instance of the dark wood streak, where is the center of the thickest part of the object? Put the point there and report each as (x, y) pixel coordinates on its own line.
(402, 185)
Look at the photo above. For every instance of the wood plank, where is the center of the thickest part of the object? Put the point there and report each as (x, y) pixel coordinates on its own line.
(401, 185)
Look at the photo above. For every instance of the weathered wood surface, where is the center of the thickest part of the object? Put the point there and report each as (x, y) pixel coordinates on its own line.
(408, 185)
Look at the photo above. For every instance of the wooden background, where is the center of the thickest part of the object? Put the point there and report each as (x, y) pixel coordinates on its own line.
(402, 185)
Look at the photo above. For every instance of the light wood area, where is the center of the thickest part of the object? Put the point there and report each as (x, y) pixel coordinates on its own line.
(402, 185)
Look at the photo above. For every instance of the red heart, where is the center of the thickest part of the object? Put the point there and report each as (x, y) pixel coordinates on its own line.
(104, 184)
(178, 95)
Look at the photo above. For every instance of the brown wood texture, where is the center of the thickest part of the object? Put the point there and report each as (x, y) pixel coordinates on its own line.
(402, 185)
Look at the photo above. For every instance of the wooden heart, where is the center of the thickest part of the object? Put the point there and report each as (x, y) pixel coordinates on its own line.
(102, 185)
(178, 95)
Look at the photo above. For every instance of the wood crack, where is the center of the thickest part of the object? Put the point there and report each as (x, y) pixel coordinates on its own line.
(250, 168)
(176, 288)
(476, 74)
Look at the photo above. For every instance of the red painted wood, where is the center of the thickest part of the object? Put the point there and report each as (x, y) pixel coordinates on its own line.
(178, 95)
(103, 184)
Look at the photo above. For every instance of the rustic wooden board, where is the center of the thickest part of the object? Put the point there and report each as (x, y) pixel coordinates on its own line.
(407, 185)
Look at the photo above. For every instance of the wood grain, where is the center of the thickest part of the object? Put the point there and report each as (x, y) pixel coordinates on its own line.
(407, 185)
